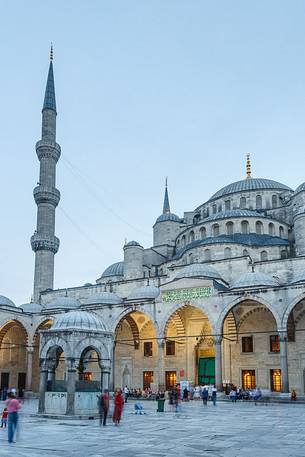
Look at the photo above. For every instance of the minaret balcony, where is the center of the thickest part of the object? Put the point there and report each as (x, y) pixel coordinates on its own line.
(42, 242)
(48, 149)
(45, 194)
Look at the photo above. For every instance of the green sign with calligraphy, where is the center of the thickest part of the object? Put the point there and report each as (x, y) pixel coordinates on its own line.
(186, 294)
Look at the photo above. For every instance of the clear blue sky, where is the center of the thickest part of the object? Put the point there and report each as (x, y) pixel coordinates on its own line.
(144, 89)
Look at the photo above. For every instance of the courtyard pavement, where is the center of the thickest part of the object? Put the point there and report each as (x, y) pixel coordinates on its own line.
(227, 430)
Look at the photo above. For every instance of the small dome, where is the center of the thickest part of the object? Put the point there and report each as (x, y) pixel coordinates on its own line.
(31, 308)
(77, 320)
(63, 303)
(4, 301)
(298, 277)
(198, 270)
(110, 298)
(255, 279)
(247, 185)
(116, 269)
(168, 217)
(87, 284)
(143, 293)
(300, 188)
(132, 243)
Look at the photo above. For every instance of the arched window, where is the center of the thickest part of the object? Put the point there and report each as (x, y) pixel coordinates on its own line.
(191, 236)
(284, 254)
(271, 229)
(191, 258)
(215, 230)
(245, 227)
(243, 202)
(227, 205)
(208, 211)
(203, 233)
(274, 201)
(178, 244)
(245, 253)
(230, 228)
(281, 229)
(259, 228)
(214, 209)
(183, 241)
(219, 208)
(259, 202)
(228, 253)
(207, 254)
(264, 256)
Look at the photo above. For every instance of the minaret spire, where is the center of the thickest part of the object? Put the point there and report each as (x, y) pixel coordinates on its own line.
(166, 207)
(44, 242)
(248, 166)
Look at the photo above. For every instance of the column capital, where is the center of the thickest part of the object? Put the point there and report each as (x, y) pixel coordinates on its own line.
(161, 343)
(29, 349)
(218, 339)
(283, 335)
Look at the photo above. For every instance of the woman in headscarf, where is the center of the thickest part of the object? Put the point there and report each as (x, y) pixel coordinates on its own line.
(118, 407)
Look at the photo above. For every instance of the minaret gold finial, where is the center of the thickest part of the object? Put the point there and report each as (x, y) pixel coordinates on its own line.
(51, 52)
(248, 166)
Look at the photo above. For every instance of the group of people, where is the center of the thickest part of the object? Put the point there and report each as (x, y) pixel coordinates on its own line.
(104, 403)
(236, 393)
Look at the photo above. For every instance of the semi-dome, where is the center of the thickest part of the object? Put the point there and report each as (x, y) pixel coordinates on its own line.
(4, 301)
(132, 243)
(255, 279)
(168, 217)
(249, 184)
(298, 277)
(300, 188)
(78, 320)
(116, 269)
(198, 270)
(31, 307)
(110, 298)
(145, 292)
(63, 303)
(232, 213)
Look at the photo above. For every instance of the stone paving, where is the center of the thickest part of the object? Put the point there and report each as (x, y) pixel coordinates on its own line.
(227, 430)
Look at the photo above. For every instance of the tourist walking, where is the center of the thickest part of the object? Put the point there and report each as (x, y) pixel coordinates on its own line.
(205, 396)
(13, 407)
(118, 407)
(126, 392)
(214, 395)
(103, 407)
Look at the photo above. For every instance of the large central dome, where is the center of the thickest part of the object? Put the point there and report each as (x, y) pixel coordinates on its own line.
(249, 184)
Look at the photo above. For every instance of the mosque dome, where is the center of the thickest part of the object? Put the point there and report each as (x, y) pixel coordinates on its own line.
(63, 303)
(109, 298)
(4, 301)
(132, 243)
(168, 217)
(300, 188)
(249, 184)
(255, 279)
(198, 270)
(232, 213)
(116, 269)
(78, 320)
(31, 307)
(143, 293)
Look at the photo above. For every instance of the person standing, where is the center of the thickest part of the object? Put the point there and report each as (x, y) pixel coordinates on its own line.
(205, 396)
(4, 418)
(13, 407)
(214, 395)
(118, 407)
(104, 407)
(126, 392)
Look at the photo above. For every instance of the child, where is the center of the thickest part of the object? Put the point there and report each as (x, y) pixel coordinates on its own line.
(4, 418)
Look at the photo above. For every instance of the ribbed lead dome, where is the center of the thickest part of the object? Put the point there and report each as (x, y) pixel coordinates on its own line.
(145, 292)
(248, 185)
(255, 279)
(116, 269)
(198, 270)
(4, 301)
(109, 298)
(168, 217)
(31, 308)
(300, 188)
(78, 320)
(63, 303)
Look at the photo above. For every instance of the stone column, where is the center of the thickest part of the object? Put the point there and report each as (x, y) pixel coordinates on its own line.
(29, 369)
(218, 363)
(105, 378)
(71, 388)
(284, 361)
(112, 372)
(42, 388)
(161, 365)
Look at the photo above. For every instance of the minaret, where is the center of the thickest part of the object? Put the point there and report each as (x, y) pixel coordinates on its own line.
(44, 242)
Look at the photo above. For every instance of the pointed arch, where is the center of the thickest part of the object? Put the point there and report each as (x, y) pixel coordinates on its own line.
(10, 324)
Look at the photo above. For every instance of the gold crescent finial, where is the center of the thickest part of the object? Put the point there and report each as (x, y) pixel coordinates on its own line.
(51, 52)
(248, 166)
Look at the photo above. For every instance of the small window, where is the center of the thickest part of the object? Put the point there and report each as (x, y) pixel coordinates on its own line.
(274, 343)
(219, 208)
(248, 379)
(243, 202)
(271, 229)
(230, 228)
(203, 233)
(191, 258)
(215, 230)
(247, 343)
(259, 228)
(274, 201)
(183, 241)
(178, 244)
(207, 255)
(214, 209)
(281, 229)
(191, 237)
(170, 348)
(275, 380)
(284, 254)
(245, 227)
(148, 351)
(264, 256)
(148, 379)
(227, 205)
(259, 203)
(228, 253)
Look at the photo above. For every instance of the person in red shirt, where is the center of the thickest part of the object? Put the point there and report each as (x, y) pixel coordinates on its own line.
(4, 418)
(118, 407)
(13, 407)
